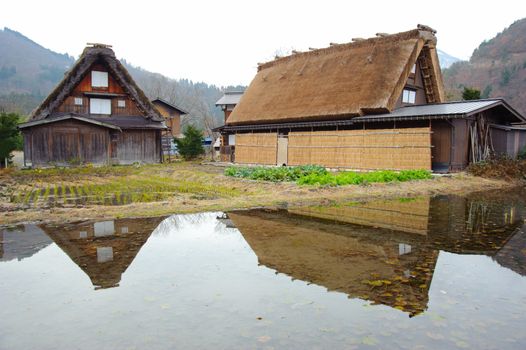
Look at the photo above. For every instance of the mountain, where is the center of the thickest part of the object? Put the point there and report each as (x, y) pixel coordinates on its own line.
(445, 59)
(28, 72)
(497, 68)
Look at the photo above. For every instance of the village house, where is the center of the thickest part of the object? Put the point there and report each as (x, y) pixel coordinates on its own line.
(97, 114)
(375, 103)
(227, 102)
(172, 115)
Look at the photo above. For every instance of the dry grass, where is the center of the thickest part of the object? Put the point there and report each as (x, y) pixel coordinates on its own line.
(50, 195)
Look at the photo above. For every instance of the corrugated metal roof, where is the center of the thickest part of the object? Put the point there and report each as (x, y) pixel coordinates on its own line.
(448, 110)
(230, 98)
(464, 108)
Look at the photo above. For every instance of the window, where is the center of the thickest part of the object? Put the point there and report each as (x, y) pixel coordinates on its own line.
(231, 140)
(78, 101)
(121, 103)
(413, 69)
(99, 79)
(408, 96)
(99, 106)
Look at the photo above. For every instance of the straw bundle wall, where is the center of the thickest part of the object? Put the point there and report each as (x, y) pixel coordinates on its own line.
(396, 149)
(260, 148)
(412, 216)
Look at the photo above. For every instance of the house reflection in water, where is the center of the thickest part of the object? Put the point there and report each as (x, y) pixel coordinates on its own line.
(103, 250)
(22, 242)
(383, 251)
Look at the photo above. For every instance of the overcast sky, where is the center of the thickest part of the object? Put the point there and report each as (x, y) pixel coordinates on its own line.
(221, 42)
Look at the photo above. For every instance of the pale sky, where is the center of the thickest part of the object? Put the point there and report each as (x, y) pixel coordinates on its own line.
(221, 42)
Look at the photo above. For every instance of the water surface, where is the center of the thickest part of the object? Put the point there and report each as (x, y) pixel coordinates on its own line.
(443, 272)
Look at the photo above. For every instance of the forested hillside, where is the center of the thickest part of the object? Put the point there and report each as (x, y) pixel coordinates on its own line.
(497, 68)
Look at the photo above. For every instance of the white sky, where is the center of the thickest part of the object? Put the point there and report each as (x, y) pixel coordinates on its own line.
(221, 42)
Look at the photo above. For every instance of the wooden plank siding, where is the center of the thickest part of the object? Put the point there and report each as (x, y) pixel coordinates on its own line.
(68, 106)
(66, 143)
(142, 146)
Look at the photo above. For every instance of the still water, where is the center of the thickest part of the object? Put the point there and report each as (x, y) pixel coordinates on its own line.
(424, 273)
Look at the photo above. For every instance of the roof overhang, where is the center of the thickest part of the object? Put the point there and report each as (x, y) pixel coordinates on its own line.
(66, 117)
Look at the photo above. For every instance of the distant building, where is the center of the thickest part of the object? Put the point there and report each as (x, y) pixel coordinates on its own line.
(376, 103)
(97, 114)
(229, 100)
(172, 115)
(227, 103)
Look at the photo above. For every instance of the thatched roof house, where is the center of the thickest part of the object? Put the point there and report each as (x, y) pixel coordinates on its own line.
(341, 81)
(96, 114)
(285, 115)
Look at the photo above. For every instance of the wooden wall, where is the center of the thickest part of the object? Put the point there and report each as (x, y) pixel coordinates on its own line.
(68, 106)
(65, 143)
(257, 148)
(173, 118)
(408, 148)
(136, 146)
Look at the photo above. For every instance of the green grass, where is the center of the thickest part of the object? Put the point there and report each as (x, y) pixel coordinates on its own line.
(317, 175)
(275, 174)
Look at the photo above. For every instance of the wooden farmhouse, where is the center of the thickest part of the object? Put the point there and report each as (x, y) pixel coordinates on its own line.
(97, 114)
(375, 103)
(172, 115)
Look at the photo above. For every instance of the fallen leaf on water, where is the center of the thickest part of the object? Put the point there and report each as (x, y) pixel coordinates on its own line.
(369, 340)
(263, 339)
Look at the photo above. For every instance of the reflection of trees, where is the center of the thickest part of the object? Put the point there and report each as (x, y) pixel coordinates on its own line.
(178, 222)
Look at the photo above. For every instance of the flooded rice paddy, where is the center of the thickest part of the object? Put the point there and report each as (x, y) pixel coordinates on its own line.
(420, 273)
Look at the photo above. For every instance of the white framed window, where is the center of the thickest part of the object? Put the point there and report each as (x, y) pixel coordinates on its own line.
(78, 101)
(99, 79)
(99, 106)
(121, 103)
(409, 96)
(231, 140)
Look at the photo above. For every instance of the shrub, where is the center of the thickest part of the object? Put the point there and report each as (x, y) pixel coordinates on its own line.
(10, 138)
(191, 145)
(277, 174)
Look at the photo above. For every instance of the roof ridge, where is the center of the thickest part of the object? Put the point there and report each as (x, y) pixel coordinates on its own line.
(418, 33)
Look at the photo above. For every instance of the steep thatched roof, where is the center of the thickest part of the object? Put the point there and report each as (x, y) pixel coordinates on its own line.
(338, 82)
(74, 76)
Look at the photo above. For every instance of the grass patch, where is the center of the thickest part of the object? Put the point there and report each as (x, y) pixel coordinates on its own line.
(356, 178)
(275, 174)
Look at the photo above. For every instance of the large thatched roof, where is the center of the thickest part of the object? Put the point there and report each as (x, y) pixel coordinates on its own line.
(90, 56)
(338, 82)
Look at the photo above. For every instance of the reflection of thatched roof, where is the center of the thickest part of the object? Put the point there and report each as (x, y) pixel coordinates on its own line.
(513, 254)
(331, 255)
(90, 56)
(80, 243)
(340, 81)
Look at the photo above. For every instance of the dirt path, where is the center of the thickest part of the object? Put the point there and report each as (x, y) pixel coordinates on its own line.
(58, 195)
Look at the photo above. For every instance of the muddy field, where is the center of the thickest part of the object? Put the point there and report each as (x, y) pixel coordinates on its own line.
(92, 193)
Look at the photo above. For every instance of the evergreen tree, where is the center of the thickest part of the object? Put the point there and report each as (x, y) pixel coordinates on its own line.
(470, 94)
(191, 145)
(10, 138)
